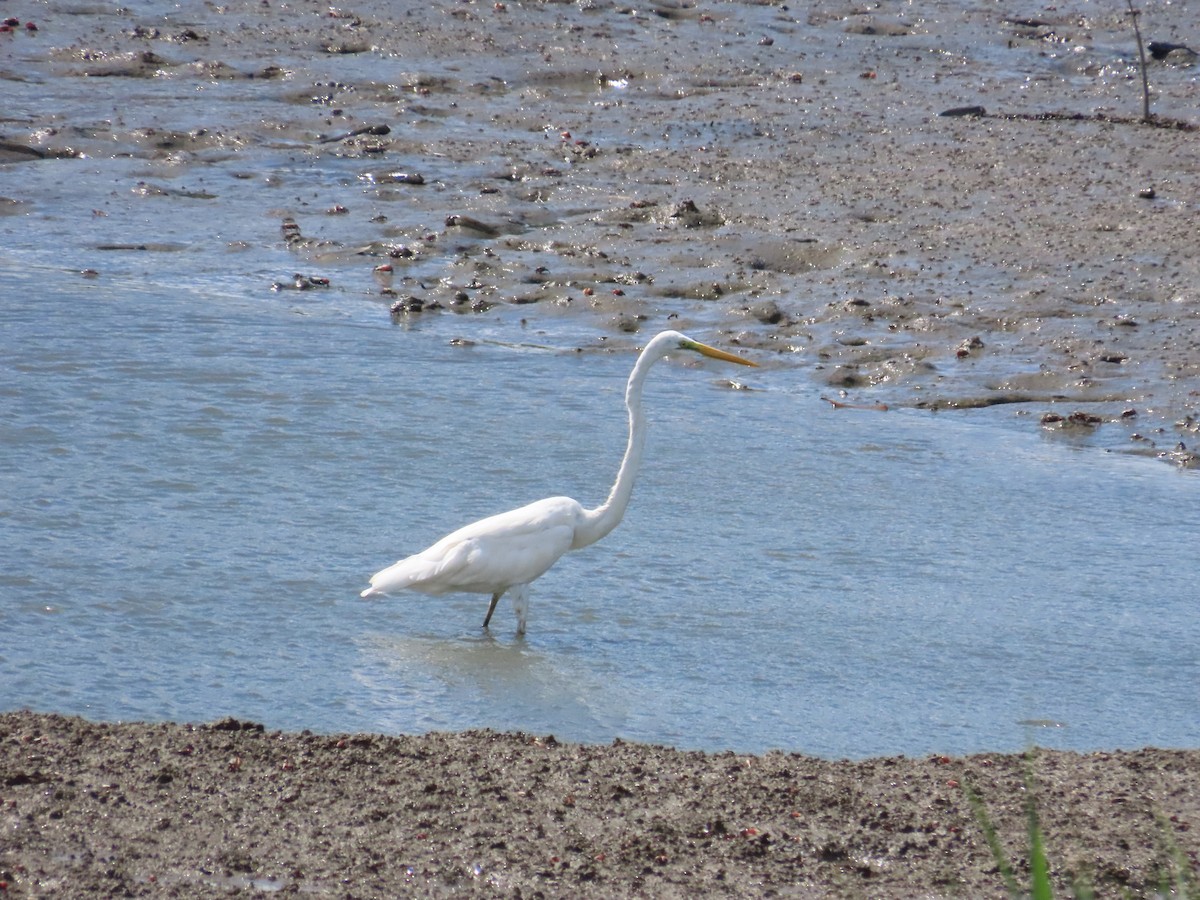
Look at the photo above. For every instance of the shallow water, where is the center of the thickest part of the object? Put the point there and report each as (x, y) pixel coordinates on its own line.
(196, 487)
(199, 473)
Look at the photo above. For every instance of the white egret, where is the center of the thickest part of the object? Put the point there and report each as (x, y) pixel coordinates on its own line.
(506, 552)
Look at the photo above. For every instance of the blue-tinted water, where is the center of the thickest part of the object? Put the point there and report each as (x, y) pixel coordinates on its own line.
(198, 475)
(196, 484)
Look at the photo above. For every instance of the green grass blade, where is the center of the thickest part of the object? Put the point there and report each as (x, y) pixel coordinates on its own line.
(993, 841)
(1180, 882)
(1039, 866)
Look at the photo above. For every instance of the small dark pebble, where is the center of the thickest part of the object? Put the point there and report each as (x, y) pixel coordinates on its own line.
(965, 348)
(1087, 420)
(400, 178)
(1162, 49)
(407, 305)
(231, 724)
(458, 221)
(767, 312)
(301, 283)
(960, 111)
(627, 323)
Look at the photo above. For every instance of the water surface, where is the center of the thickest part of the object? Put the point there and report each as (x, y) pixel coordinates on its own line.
(198, 473)
(196, 485)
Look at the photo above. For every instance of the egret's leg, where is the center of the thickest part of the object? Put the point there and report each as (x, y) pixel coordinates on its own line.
(492, 607)
(521, 605)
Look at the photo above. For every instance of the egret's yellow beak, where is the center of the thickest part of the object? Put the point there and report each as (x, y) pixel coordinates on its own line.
(714, 353)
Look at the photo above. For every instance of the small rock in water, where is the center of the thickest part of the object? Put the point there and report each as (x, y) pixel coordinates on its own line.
(301, 283)
(407, 305)
(400, 178)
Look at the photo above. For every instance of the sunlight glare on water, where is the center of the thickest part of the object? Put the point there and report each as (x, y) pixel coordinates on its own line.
(192, 500)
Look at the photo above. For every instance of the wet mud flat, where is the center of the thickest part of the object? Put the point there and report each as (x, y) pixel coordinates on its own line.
(171, 810)
(786, 175)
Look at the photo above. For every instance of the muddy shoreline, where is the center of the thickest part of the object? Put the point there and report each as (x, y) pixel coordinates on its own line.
(783, 176)
(169, 810)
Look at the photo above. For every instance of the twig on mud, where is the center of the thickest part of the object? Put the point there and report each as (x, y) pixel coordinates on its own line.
(1137, 33)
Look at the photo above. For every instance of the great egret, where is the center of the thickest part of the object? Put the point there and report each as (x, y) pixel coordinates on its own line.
(506, 552)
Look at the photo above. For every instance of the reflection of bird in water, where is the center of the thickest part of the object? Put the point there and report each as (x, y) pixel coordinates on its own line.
(508, 551)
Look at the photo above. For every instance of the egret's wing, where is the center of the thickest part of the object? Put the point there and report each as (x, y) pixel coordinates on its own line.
(497, 562)
(422, 568)
(490, 555)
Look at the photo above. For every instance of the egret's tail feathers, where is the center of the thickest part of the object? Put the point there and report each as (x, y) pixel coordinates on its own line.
(399, 576)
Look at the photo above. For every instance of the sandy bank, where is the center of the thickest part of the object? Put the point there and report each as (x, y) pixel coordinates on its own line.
(169, 810)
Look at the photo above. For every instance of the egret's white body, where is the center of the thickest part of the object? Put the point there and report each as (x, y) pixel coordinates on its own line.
(506, 552)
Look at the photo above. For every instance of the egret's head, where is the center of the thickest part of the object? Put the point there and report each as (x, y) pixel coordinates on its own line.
(686, 343)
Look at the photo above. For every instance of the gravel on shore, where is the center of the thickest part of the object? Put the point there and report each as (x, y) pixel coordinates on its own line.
(178, 810)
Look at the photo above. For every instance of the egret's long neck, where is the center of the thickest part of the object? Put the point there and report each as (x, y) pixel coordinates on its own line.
(604, 518)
